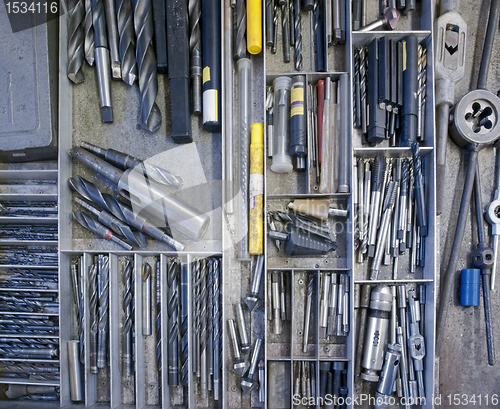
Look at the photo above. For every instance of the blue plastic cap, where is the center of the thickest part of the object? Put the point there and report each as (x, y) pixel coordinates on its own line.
(470, 286)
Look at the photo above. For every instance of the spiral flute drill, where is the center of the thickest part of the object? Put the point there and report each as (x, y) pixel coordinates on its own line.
(194, 11)
(197, 317)
(173, 328)
(297, 21)
(126, 46)
(183, 329)
(128, 309)
(76, 15)
(78, 298)
(158, 317)
(92, 292)
(89, 33)
(217, 359)
(203, 329)
(240, 48)
(103, 290)
(150, 116)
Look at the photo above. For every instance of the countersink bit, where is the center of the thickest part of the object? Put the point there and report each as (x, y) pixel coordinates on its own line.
(173, 327)
(89, 34)
(240, 48)
(150, 116)
(248, 383)
(242, 329)
(239, 364)
(251, 299)
(297, 21)
(128, 310)
(123, 212)
(110, 9)
(194, 11)
(146, 274)
(102, 60)
(107, 219)
(307, 318)
(126, 47)
(103, 293)
(94, 327)
(98, 229)
(183, 328)
(76, 15)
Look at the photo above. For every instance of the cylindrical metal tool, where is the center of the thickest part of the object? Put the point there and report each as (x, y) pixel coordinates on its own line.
(149, 196)
(298, 141)
(332, 305)
(256, 191)
(275, 297)
(389, 370)
(248, 384)
(307, 317)
(409, 110)
(323, 306)
(75, 372)
(110, 8)
(146, 299)
(282, 162)
(254, 26)
(242, 329)
(262, 380)
(377, 327)
(251, 298)
(244, 118)
(239, 364)
(228, 100)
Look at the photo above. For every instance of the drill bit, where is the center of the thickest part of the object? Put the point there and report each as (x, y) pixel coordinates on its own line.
(307, 318)
(194, 11)
(103, 290)
(78, 298)
(203, 330)
(210, 312)
(422, 85)
(126, 48)
(110, 10)
(173, 328)
(89, 33)
(217, 330)
(128, 310)
(76, 14)
(183, 328)
(363, 61)
(197, 317)
(285, 23)
(158, 318)
(297, 21)
(240, 48)
(150, 116)
(92, 291)
(146, 299)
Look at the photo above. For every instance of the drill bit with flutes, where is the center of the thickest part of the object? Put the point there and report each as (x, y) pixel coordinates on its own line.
(389, 86)
(391, 214)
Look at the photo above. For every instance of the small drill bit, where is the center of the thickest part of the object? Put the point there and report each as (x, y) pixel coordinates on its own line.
(240, 48)
(197, 317)
(194, 10)
(146, 299)
(307, 319)
(76, 15)
(210, 312)
(203, 330)
(89, 33)
(78, 299)
(103, 290)
(217, 330)
(183, 328)
(126, 48)
(127, 332)
(422, 92)
(158, 317)
(173, 327)
(150, 116)
(285, 22)
(92, 291)
(297, 21)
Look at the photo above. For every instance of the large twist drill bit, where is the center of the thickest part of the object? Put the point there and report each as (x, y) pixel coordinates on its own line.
(78, 298)
(89, 34)
(216, 329)
(110, 9)
(92, 291)
(240, 48)
(103, 289)
(123, 212)
(297, 21)
(150, 117)
(128, 308)
(126, 47)
(184, 324)
(203, 330)
(173, 328)
(76, 15)
(194, 9)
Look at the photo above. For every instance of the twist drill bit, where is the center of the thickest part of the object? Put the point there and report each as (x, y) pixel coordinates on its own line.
(158, 318)
(146, 299)
(123, 212)
(103, 289)
(297, 21)
(183, 328)
(110, 9)
(150, 116)
(309, 301)
(197, 316)
(98, 229)
(240, 48)
(285, 23)
(422, 93)
(203, 329)
(78, 298)
(275, 26)
(89, 33)
(420, 207)
(126, 46)
(76, 15)
(92, 291)
(128, 308)
(217, 329)
(363, 61)
(194, 10)
(210, 312)
(173, 328)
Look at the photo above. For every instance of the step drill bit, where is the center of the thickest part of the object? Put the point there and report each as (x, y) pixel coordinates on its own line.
(240, 47)
(126, 46)
(76, 15)
(183, 328)
(92, 292)
(173, 271)
(128, 311)
(103, 294)
(150, 115)
(102, 60)
(123, 212)
(89, 34)
(194, 10)
(297, 22)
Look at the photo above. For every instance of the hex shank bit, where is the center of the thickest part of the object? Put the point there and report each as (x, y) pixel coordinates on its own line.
(150, 115)
(76, 15)
(173, 327)
(126, 46)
